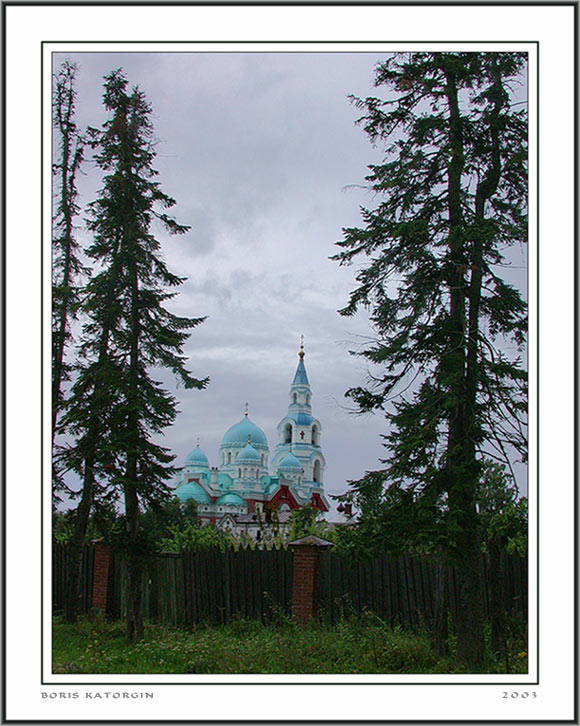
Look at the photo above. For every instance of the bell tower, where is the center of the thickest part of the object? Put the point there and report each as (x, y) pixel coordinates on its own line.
(299, 432)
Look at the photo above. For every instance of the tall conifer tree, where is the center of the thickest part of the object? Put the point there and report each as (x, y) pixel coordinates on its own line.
(452, 198)
(67, 267)
(118, 408)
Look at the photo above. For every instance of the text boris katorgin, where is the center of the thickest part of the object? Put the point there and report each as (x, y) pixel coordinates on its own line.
(99, 695)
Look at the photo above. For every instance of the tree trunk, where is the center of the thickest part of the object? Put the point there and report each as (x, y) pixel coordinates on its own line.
(69, 169)
(469, 624)
(134, 615)
(75, 555)
(470, 644)
(134, 620)
(497, 598)
(440, 628)
(461, 470)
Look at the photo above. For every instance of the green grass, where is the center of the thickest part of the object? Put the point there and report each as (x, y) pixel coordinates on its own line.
(356, 645)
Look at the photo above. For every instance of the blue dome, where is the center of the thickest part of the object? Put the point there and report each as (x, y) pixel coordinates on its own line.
(238, 434)
(192, 490)
(232, 499)
(248, 453)
(197, 457)
(290, 462)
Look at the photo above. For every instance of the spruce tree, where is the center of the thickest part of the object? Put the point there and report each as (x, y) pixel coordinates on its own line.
(67, 267)
(118, 409)
(452, 196)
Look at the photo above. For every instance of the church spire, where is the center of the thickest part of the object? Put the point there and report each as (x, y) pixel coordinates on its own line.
(299, 432)
(300, 378)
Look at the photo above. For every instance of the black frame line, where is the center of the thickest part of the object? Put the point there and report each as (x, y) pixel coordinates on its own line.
(270, 42)
(3, 365)
(297, 3)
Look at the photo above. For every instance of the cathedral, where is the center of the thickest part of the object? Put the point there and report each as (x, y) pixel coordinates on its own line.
(240, 493)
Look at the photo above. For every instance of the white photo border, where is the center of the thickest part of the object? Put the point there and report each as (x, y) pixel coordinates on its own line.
(36, 31)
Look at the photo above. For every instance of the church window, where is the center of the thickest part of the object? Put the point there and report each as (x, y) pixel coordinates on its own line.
(288, 433)
(240, 473)
(307, 398)
(256, 473)
(295, 397)
(229, 457)
(316, 474)
(315, 435)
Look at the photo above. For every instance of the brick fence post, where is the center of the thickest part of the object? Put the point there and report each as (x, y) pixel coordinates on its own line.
(306, 553)
(101, 576)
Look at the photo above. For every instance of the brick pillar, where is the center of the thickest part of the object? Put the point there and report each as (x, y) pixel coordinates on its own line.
(101, 576)
(306, 553)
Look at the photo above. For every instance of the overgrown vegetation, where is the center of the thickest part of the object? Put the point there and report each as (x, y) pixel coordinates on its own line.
(355, 645)
(168, 526)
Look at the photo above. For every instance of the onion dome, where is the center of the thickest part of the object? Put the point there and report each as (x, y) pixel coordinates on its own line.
(238, 433)
(290, 463)
(197, 457)
(192, 490)
(248, 455)
(232, 499)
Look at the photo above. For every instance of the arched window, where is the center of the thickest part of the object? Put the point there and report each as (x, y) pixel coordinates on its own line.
(315, 435)
(288, 433)
(229, 457)
(263, 458)
(316, 473)
(240, 473)
(256, 473)
(295, 397)
(307, 399)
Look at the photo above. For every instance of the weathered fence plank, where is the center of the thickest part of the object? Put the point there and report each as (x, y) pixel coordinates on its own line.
(214, 586)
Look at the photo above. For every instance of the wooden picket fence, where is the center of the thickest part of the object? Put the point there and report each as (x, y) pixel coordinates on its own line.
(60, 573)
(211, 586)
(401, 589)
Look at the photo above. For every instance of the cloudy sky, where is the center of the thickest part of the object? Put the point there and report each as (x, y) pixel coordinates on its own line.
(263, 156)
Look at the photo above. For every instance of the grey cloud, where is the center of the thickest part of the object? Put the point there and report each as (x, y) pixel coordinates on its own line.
(257, 150)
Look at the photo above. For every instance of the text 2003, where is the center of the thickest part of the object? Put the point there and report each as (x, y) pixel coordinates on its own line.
(518, 694)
